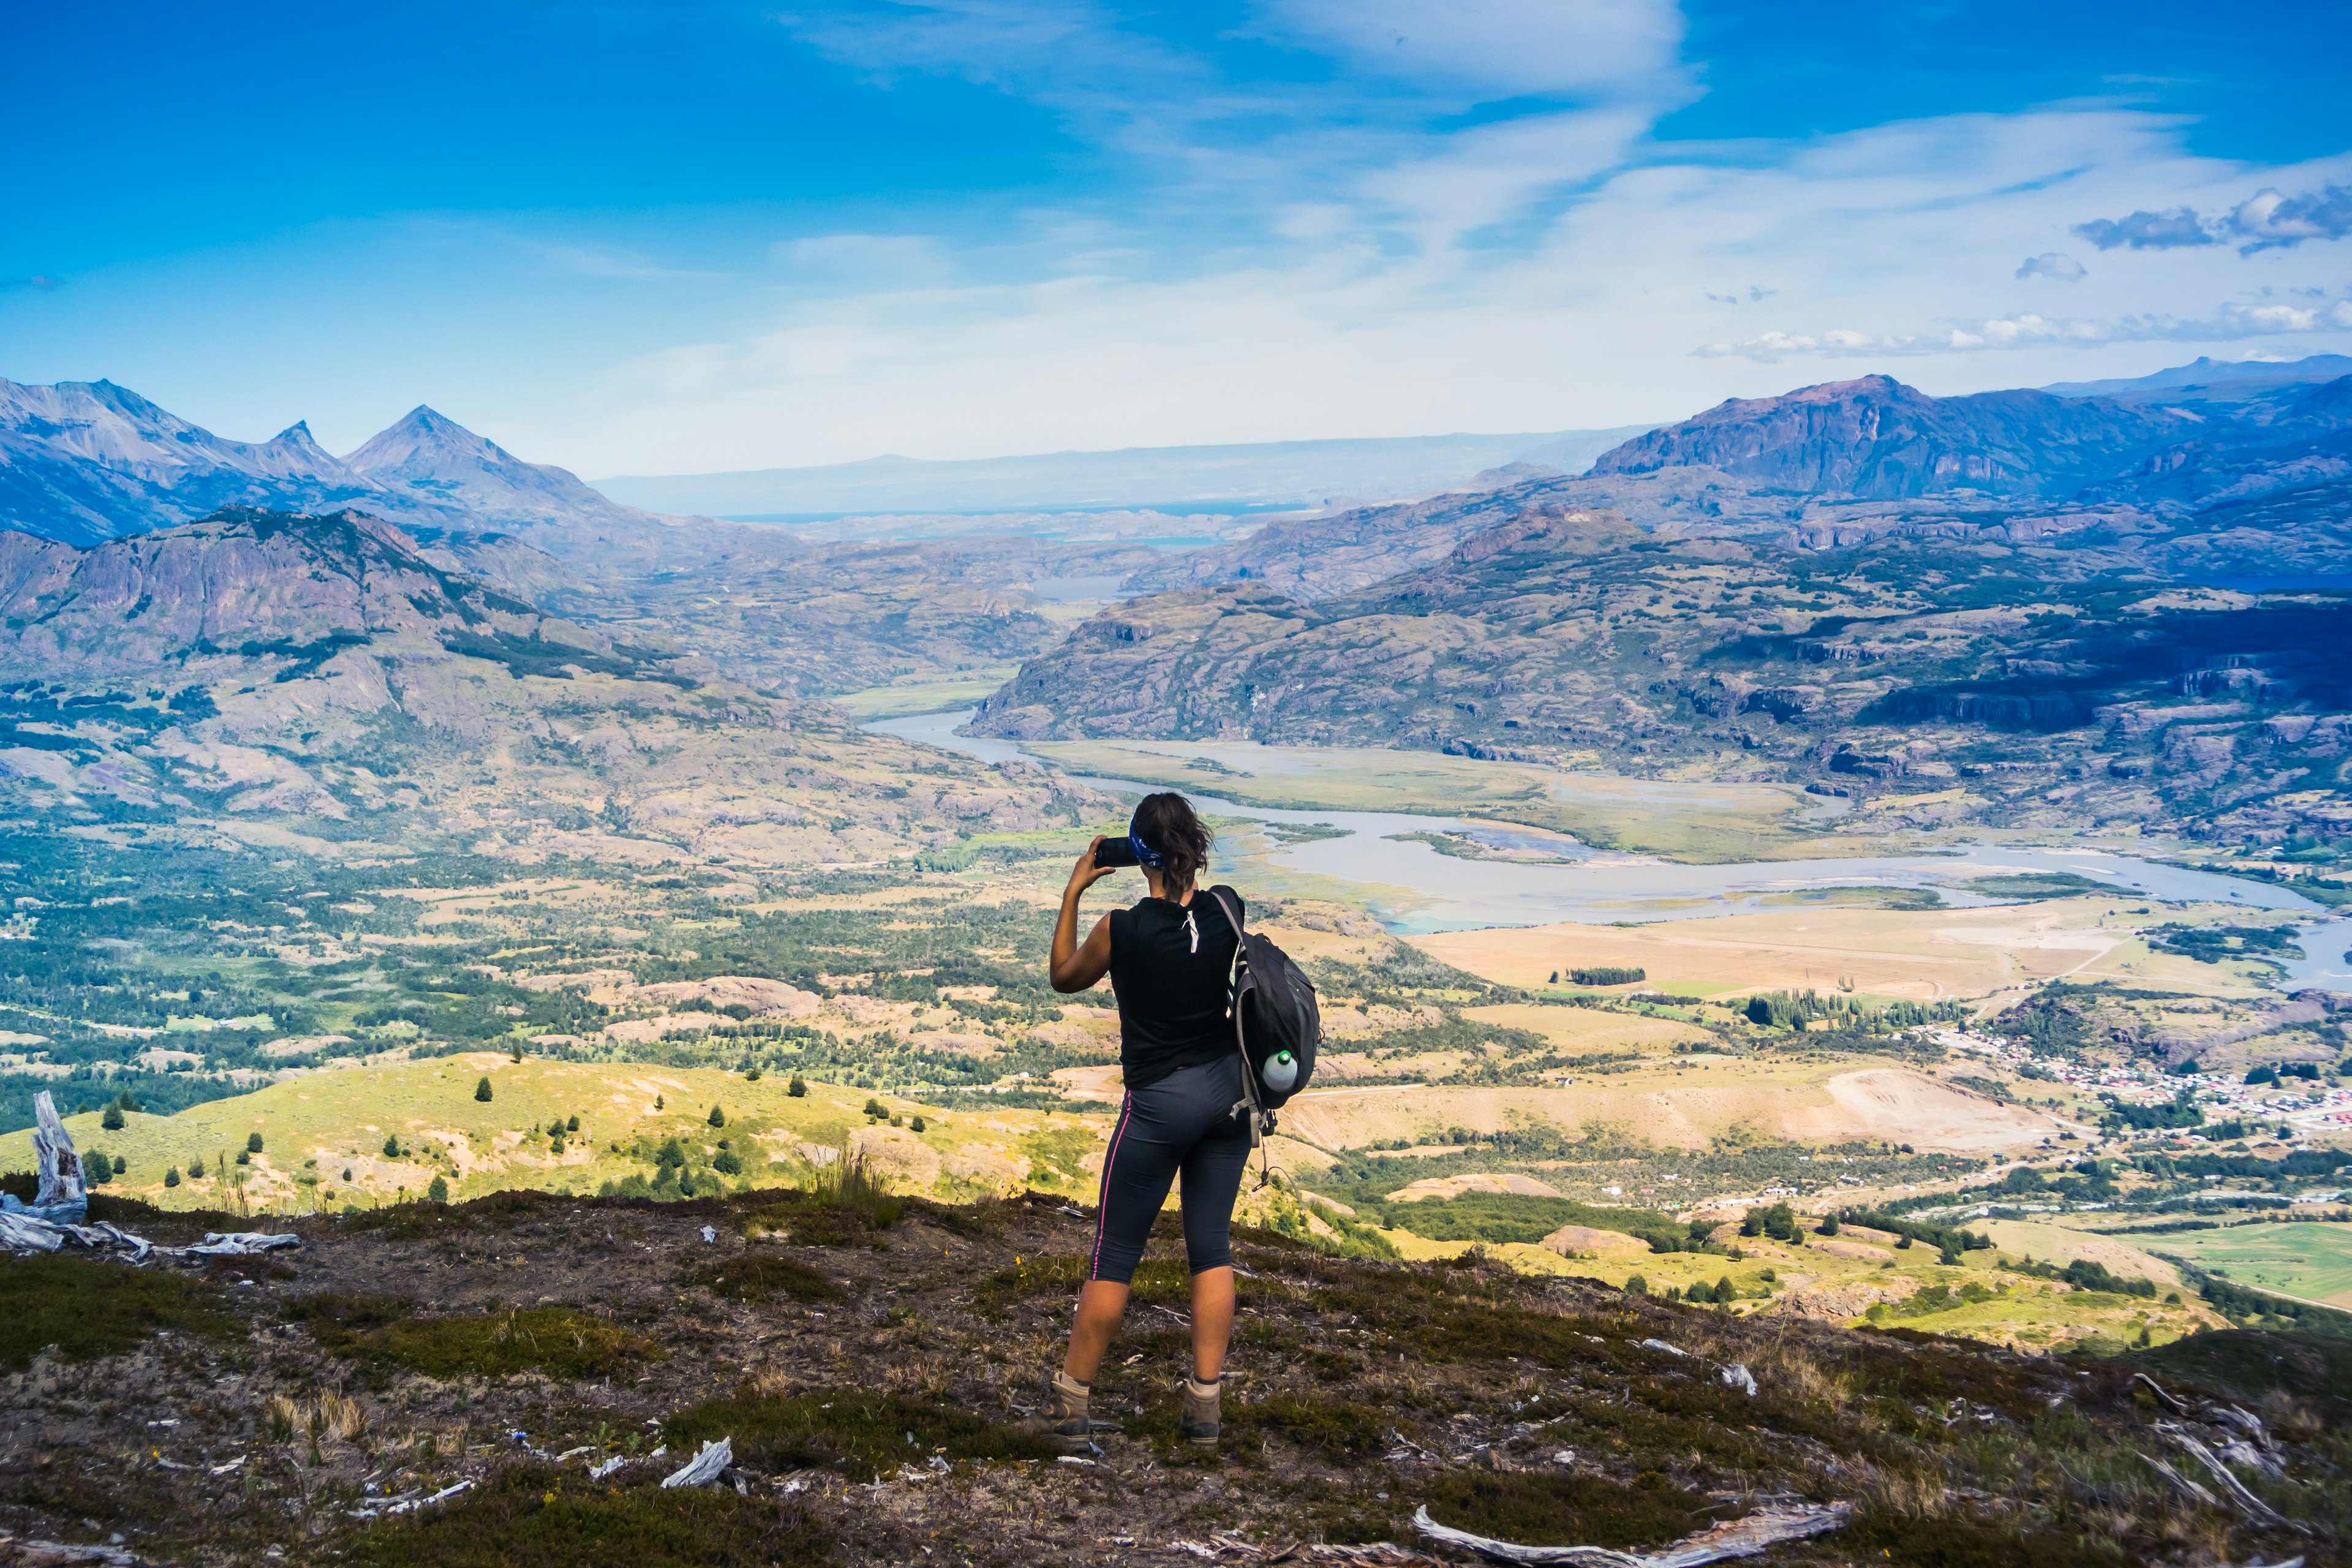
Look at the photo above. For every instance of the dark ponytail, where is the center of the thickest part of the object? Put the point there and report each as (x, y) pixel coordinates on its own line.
(1166, 825)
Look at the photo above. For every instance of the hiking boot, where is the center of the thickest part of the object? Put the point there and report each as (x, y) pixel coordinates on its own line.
(1065, 1419)
(1200, 1414)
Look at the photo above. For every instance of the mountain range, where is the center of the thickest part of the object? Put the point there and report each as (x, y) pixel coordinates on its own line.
(1254, 476)
(2101, 604)
(2003, 603)
(82, 462)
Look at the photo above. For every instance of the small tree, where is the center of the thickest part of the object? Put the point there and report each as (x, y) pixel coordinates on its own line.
(120, 1165)
(750, 1075)
(438, 1192)
(482, 1090)
(728, 1163)
(112, 1120)
(99, 1170)
(515, 1050)
(572, 1124)
(1635, 1285)
(1725, 1290)
(915, 1124)
(660, 1104)
(391, 1145)
(876, 1109)
(172, 1177)
(1829, 1225)
(253, 1143)
(796, 1089)
(718, 1117)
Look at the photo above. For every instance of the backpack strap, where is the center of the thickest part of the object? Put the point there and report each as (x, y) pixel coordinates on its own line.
(1261, 1121)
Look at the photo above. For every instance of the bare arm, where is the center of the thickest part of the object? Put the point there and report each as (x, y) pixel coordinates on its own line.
(1078, 965)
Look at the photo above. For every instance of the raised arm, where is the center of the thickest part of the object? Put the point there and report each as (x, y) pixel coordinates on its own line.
(1077, 965)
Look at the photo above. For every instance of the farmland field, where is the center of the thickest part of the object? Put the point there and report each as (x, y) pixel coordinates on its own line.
(2311, 1261)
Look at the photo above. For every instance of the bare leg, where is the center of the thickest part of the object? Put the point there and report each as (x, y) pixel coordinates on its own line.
(1213, 1322)
(1101, 1304)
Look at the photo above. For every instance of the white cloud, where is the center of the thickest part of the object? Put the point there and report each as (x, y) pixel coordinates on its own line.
(2229, 324)
(2269, 220)
(2052, 264)
(1543, 272)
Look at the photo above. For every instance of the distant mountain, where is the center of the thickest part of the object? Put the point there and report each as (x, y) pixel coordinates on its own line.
(273, 595)
(87, 461)
(436, 462)
(2210, 380)
(1880, 439)
(1202, 478)
(2037, 678)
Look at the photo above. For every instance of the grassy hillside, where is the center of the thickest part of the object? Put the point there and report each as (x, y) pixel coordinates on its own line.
(316, 1128)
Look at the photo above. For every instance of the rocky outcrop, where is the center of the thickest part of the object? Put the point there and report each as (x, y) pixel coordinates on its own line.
(1879, 438)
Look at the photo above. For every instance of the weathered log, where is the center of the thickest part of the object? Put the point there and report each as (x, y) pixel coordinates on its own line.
(1745, 1536)
(704, 1469)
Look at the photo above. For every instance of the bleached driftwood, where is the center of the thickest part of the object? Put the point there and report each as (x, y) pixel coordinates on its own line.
(15, 1550)
(1745, 1536)
(2249, 1505)
(240, 1244)
(704, 1469)
(61, 1203)
(2181, 1483)
(62, 1195)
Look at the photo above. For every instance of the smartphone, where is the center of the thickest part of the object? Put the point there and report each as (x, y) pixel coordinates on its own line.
(1119, 851)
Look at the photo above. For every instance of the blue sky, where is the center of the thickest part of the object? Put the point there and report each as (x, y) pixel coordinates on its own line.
(641, 237)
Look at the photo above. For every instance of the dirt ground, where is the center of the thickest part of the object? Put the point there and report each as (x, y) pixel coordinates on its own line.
(316, 1400)
(289, 1406)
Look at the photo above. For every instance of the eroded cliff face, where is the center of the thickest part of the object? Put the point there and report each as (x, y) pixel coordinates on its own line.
(2017, 680)
(259, 665)
(1880, 439)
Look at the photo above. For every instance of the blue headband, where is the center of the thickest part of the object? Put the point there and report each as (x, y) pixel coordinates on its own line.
(1145, 854)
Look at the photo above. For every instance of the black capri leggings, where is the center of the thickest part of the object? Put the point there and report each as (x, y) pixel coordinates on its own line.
(1183, 1121)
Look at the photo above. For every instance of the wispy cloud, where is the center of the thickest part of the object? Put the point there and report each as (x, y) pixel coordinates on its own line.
(2054, 265)
(39, 283)
(2148, 231)
(2230, 323)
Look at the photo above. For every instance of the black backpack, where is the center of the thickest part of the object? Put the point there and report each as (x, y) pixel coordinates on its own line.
(1275, 1022)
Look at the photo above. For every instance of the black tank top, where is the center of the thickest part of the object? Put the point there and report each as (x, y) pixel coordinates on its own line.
(1169, 963)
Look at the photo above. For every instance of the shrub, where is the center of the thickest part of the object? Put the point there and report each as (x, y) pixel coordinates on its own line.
(172, 1177)
(482, 1090)
(533, 1516)
(660, 1103)
(253, 1143)
(391, 1145)
(1829, 1225)
(88, 1307)
(796, 1089)
(112, 1120)
(98, 1170)
(876, 1109)
(1635, 1285)
(438, 1192)
(915, 1124)
(728, 1163)
(572, 1124)
(718, 1117)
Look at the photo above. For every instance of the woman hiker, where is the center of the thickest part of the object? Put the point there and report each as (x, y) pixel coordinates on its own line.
(1168, 959)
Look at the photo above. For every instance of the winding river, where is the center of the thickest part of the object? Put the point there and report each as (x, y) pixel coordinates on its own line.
(1414, 888)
